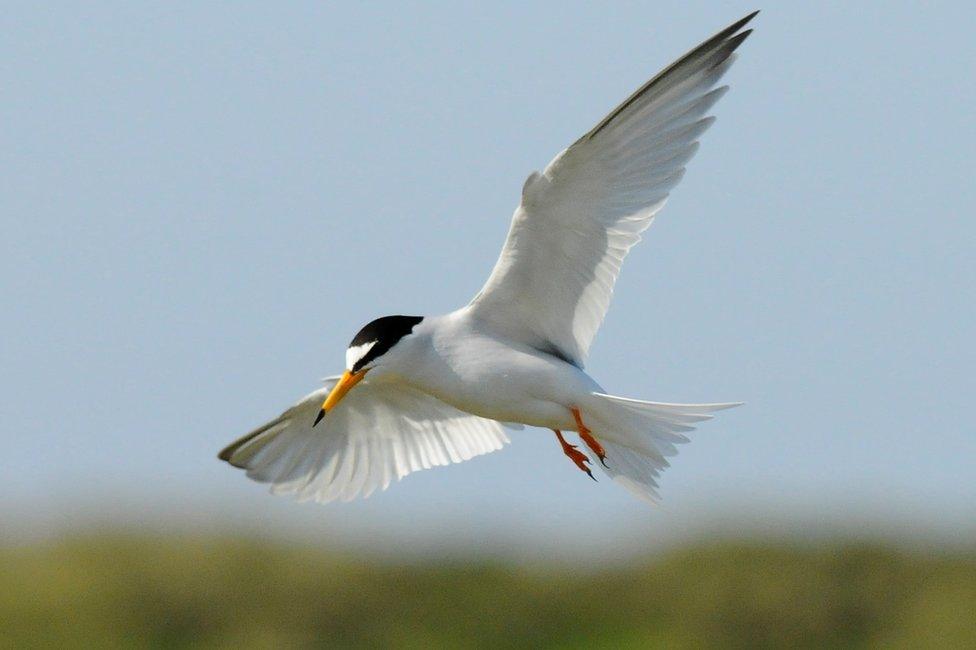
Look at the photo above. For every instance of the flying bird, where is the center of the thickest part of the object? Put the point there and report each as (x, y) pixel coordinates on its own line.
(418, 392)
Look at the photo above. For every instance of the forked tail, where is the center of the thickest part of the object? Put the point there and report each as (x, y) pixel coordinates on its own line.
(639, 436)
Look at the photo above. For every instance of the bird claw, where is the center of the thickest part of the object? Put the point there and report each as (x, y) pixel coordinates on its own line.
(580, 459)
(574, 454)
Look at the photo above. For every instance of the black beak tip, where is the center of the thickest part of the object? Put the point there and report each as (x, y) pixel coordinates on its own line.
(318, 418)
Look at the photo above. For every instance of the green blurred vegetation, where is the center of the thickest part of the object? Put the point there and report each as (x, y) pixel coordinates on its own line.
(185, 592)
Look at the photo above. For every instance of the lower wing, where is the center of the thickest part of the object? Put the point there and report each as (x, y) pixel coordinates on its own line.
(380, 432)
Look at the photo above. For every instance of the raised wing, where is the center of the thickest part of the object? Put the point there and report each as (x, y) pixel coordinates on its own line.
(578, 219)
(378, 433)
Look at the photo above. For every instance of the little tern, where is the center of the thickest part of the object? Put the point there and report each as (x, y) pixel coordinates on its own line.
(418, 392)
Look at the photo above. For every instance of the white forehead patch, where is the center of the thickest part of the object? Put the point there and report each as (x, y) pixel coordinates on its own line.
(357, 352)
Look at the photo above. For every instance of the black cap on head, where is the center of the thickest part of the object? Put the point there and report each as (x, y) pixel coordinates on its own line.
(377, 337)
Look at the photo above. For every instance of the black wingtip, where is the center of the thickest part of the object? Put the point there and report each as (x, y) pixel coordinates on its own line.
(748, 17)
(318, 418)
(227, 455)
(736, 26)
(728, 37)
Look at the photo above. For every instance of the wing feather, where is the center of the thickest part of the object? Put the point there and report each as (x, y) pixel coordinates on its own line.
(380, 432)
(579, 218)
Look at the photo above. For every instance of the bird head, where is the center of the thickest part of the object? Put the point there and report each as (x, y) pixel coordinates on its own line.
(368, 350)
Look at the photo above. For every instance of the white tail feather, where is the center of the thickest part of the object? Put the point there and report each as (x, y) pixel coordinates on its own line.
(638, 436)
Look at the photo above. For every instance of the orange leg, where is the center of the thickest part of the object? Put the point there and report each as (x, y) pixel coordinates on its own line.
(574, 454)
(586, 435)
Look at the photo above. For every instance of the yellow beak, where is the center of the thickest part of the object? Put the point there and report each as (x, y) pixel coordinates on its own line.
(349, 379)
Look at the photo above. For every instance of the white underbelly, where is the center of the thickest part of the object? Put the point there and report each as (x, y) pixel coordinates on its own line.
(489, 378)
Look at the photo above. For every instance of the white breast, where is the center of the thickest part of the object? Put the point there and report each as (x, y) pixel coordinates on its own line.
(481, 373)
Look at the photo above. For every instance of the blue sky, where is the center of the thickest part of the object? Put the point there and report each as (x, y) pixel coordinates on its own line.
(202, 204)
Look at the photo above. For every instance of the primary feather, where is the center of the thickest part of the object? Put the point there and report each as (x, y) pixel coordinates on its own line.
(577, 220)
(382, 432)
